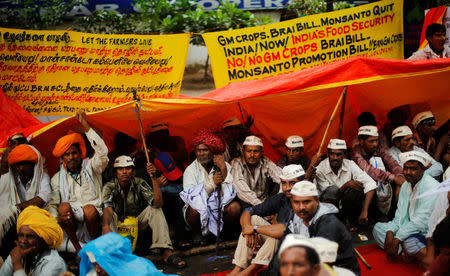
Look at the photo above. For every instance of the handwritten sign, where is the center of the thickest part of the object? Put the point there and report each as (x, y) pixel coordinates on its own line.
(59, 72)
(373, 30)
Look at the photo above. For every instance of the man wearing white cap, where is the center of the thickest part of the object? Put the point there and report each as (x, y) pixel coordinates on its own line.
(317, 219)
(255, 228)
(424, 123)
(294, 153)
(256, 178)
(406, 231)
(126, 195)
(340, 179)
(403, 140)
(314, 254)
(376, 161)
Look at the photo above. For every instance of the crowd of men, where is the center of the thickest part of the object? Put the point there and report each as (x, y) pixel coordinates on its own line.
(294, 216)
(230, 186)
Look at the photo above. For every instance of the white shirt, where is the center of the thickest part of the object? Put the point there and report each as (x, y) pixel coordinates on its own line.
(196, 174)
(44, 189)
(438, 214)
(428, 53)
(325, 176)
(81, 192)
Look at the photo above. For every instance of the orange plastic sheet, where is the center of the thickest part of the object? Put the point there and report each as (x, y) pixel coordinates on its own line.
(295, 103)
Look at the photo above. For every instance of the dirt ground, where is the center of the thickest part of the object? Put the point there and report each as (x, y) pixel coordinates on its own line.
(195, 83)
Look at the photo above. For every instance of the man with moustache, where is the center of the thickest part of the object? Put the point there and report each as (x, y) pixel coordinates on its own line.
(256, 178)
(257, 231)
(76, 197)
(317, 219)
(376, 161)
(127, 195)
(403, 140)
(35, 254)
(341, 180)
(202, 180)
(405, 233)
(424, 123)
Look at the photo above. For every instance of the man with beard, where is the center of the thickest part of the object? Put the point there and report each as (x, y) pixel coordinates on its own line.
(376, 161)
(127, 195)
(257, 231)
(405, 233)
(24, 185)
(403, 140)
(204, 181)
(76, 196)
(35, 254)
(317, 219)
(256, 178)
(341, 180)
(436, 48)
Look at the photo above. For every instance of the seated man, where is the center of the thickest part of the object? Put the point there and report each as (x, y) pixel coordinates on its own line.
(77, 187)
(13, 141)
(207, 186)
(234, 134)
(436, 48)
(441, 265)
(294, 153)
(256, 178)
(409, 225)
(255, 228)
(111, 254)
(440, 211)
(25, 184)
(379, 165)
(301, 256)
(35, 253)
(424, 123)
(126, 195)
(403, 140)
(341, 180)
(317, 219)
(159, 139)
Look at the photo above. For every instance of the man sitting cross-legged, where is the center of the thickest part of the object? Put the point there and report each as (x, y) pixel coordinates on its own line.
(126, 195)
(256, 230)
(406, 231)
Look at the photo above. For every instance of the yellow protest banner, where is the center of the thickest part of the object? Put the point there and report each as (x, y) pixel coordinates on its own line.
(59, 72)
(372, 30)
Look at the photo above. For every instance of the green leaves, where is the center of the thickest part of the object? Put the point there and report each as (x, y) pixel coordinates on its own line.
(308, 7)
(30, 14)
(161, 17)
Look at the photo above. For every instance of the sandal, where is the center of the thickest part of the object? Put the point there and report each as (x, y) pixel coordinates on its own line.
(175, 261)
(184, 245)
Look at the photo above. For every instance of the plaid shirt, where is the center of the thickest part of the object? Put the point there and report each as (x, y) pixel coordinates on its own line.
(256, 188)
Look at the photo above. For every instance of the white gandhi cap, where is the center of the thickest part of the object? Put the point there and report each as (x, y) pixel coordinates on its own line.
(337, 144)
(291, 172)
(123, 161)
(304, 188)
(252, 141)
(326, 249)
(368, 130)
(401, 131)
(416, 156)
(420, 117)
(294, 141)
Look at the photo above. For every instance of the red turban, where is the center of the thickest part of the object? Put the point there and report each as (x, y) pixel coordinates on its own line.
(211, 138)
(65, 142)
(22, 153)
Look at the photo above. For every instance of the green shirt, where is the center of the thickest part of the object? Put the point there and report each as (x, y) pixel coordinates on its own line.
(138, 198)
